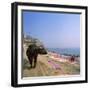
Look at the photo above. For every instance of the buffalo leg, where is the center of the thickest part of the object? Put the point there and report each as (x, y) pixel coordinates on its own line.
(35, 61)
(30, 61)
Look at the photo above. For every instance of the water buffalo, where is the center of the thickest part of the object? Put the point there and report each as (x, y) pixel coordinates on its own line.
(32, 53)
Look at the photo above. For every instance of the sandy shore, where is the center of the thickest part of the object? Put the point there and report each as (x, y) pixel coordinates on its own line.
(51, 64)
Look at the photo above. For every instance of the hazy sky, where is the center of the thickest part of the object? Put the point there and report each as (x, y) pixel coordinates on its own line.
(55, 30)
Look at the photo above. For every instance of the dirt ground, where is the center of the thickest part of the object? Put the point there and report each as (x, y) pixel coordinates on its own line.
(50, 67)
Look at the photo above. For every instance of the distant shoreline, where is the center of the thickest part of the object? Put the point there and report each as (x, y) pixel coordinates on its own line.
(65, 51)
(63, 54)
(60, 57)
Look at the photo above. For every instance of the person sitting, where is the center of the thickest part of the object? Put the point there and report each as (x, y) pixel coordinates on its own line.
(72, 59)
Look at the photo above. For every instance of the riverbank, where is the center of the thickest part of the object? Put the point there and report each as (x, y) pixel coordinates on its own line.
(63, 58)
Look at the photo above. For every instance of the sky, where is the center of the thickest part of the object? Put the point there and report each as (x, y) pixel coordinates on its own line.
(54, 30)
